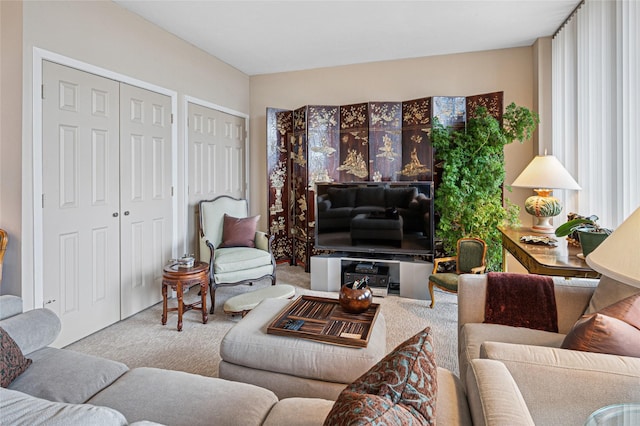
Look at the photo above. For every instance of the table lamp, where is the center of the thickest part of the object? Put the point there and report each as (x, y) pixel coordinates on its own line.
(617, 256)
(544, 174)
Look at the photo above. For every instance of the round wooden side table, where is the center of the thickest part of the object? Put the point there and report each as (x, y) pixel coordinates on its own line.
(180, 278)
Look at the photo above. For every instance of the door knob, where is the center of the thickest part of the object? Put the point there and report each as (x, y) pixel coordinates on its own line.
(115, 214)
(126, 213)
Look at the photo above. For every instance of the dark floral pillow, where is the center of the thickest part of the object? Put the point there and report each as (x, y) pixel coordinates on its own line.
(12, 362)
(400, 389)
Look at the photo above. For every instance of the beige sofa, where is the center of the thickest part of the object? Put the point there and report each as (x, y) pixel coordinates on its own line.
(63, 387)
(512, 376)
(557, 386)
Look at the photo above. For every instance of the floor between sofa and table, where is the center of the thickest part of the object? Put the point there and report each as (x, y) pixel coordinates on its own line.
(142, 341)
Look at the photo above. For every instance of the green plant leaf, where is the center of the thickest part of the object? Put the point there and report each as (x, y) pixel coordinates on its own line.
(570, 226)
(469, 196)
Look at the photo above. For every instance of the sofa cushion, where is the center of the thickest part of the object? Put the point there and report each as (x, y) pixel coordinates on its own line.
(239, 231)
(562, 387)
(400, 197)
(283, 385)
(451, 405)
(12, 361)
(10, 305)
(342, 197)
(338, 212)
(494, 397)
(33, 330)
(473, 335)
(400, 389)
(21, 409)
(64, 375)
(367, 209)
(370, 196)
(613, 330)
(608, 292)
(299, 412)
(179, 398)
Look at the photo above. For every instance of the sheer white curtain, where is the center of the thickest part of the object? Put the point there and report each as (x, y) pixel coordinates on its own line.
(596, 108)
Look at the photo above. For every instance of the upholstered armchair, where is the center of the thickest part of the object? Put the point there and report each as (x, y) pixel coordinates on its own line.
(470, 259)
(236, 252)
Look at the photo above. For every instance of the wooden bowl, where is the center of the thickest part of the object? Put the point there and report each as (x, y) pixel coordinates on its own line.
(355, 301)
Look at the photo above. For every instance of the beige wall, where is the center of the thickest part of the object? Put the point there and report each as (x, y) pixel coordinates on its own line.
(103, 34)
(508, 70)
(10, 136)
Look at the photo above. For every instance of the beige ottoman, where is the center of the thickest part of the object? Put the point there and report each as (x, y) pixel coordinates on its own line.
(291, 366)
(243, 303)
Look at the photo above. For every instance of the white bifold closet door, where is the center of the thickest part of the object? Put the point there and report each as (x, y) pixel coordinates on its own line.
(107, 210)
(145, 196)
(216, 159)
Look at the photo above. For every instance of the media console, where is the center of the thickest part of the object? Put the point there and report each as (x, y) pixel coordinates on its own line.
(377, 275)
(407, 276)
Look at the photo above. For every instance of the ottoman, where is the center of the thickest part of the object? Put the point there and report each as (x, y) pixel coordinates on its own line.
(365, 227)
(243, 303)
(290, 366)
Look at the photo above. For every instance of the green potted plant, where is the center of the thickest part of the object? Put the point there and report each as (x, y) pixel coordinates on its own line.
(585, 230)
(469, 199)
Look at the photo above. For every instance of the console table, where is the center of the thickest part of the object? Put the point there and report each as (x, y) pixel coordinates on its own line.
(545, 260)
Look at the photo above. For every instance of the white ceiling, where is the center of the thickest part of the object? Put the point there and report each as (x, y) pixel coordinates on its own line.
(266, 36)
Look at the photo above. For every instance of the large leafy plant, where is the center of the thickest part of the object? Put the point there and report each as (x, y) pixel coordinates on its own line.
(469, 198)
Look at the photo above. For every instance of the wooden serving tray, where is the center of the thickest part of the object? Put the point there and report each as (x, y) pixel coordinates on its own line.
(326, 321)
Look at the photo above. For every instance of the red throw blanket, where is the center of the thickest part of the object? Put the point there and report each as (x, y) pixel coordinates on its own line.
(521, 300)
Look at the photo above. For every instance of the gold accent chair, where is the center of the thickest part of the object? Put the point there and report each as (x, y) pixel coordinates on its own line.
(470, 259)
(230, 266)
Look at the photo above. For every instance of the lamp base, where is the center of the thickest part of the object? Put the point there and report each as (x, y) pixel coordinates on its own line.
(543, 225)
(543, 207)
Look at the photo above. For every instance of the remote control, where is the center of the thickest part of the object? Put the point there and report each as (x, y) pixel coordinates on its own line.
(293, 324)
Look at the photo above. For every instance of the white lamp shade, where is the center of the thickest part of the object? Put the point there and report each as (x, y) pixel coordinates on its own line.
(618, 256)
(545, 171)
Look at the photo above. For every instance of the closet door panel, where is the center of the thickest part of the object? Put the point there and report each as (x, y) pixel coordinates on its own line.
(145, 194)
(216, 151)
(80, 181)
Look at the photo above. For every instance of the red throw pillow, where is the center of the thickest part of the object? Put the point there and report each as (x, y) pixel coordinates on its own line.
(12, 362)
(239, 232)
(613, 330)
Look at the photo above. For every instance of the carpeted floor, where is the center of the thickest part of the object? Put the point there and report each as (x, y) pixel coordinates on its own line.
(141, 340)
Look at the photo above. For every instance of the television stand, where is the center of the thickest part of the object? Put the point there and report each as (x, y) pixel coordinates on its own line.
(328, 273)
(378, 276)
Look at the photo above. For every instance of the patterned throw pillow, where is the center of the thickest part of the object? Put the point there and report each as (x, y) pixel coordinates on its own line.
(12, 362)
(400, 389)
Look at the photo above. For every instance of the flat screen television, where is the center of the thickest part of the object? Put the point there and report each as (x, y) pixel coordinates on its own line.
(378, 218)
